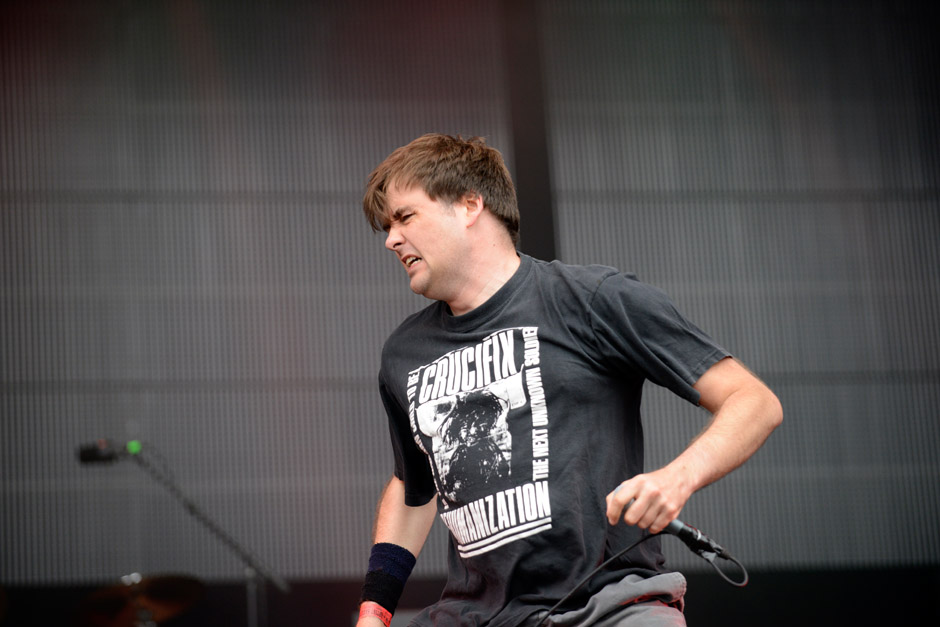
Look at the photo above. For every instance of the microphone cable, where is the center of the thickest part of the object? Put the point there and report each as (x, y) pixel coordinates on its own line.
(708, 555)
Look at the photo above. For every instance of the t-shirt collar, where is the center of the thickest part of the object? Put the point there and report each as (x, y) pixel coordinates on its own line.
(493, 305)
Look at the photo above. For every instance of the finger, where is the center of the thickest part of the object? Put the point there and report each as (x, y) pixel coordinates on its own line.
(617, 500)
(659, 525)
(615, 494)
(658, 514)
(633, 512)
(648, 518)
(666, 515)
(624, 507)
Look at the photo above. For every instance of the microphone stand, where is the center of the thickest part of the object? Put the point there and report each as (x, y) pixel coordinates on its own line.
(255, 573)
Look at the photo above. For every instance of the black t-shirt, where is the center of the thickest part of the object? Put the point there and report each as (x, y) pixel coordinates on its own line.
(521, 416)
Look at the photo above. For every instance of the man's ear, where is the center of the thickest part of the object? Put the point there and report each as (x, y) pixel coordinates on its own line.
(475, 206)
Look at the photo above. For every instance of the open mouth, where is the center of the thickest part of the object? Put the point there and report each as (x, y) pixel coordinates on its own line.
(410, 261)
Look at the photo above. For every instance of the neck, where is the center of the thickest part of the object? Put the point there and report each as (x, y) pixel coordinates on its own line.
(486, 274)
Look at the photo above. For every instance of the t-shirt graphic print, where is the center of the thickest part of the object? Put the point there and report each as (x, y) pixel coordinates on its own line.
(478, 413)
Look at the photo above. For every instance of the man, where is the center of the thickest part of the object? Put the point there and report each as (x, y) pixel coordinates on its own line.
(513, 405)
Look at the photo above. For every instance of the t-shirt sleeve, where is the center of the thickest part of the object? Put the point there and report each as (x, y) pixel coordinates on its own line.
(638, 328)
(411, 464)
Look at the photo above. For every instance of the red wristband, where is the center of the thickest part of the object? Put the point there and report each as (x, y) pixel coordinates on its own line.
(371, 608)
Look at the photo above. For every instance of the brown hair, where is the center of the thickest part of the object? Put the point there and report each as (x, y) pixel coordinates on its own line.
(446, 168)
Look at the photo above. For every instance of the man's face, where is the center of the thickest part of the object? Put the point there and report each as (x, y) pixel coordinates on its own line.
(427, 236)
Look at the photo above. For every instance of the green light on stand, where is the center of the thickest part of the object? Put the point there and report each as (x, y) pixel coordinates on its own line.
(133, 447)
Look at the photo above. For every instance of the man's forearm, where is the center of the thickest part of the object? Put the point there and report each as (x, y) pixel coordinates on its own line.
(401, 524)
(739, 426)
(744, 413)
(399, 533)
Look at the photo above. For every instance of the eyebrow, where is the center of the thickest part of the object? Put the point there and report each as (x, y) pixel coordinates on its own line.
(394, 215)
(397, 213)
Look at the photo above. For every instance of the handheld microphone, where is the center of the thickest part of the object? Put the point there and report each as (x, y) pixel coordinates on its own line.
(695, 539)
(102, 451)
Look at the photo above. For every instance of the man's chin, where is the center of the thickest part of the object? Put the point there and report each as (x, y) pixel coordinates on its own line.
(419, 287)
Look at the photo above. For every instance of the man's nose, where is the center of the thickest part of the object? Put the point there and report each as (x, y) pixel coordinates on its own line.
(393, 239)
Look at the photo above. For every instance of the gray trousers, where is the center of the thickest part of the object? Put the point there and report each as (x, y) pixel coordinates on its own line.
(634, 601)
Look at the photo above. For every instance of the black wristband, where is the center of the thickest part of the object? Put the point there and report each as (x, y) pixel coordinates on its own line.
(383, 589)
(389, 568)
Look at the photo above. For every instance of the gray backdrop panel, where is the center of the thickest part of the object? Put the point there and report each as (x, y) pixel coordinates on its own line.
(183, 259)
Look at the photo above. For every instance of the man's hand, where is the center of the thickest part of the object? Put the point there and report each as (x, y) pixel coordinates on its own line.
(649, 501)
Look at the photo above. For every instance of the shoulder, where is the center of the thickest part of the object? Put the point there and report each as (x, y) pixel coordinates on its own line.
(606, 294)
(583, 278)
(598, 285)
(416, 321)
(413, 330)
